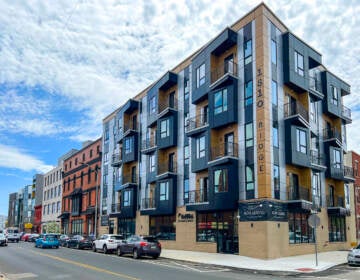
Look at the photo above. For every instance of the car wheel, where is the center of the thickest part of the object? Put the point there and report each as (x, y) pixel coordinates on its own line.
(155, 256)
(118, 251)
(57, 247)
(105, 250)
(68, 245)
(94, 248)
(135, 254)
(17, 240)
(35, 245)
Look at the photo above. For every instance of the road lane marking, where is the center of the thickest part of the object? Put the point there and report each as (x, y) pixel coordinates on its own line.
(87, 266)
(21, 275)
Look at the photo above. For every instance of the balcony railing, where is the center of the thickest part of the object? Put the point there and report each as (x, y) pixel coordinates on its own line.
(335, 201)
(129, 127)
(129, 179)
(196, 196)
(148, 203)
(332, 133)
(293, 109)
(348, 171)
(315, 84)
(148, 143)
(298, 193)
(167, 105)
(316, 158)
(196, 122)
(346, 112)
(226, 149)
(167, 168)
(229, 67)
(116, 159)
(115, 207)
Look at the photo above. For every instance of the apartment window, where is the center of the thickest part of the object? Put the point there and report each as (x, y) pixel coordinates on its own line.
(301, 143)
(52, 193)
(316, 189)
(106, 134)
(186, 190)
(336, 159)
(165, 128)
(58, 207)
(128, 145)
(77, 227)
(249, 135)
(48, 209)
(334, 95)
(249, 178)
(91, 153)
(274, 93)
(275, 132)
(200, 147)
(248, 51)
(89, 175)
(221, 102)
(221, 180)
(313, 111)
(152, 162)
(200, 75)
(153, 105)
(249, 93)
(299, 63)
(337, 229)
(164, 191)
(106, 157)
(186, 154)
(83, 157)
(299, 229)
(276, 179)
(186, 88)
(127, 198)
(53, 208)
(44, 210)
(273, 52)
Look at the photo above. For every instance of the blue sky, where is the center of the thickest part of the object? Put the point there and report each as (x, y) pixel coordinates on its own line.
(65, 65)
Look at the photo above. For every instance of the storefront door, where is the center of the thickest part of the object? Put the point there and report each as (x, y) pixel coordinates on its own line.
(227, 233)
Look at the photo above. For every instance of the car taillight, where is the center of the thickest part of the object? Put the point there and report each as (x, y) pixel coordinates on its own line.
(110, 240)
(143, 244)
(159, 244)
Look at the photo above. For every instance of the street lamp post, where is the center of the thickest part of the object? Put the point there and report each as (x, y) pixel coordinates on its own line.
(96, 195)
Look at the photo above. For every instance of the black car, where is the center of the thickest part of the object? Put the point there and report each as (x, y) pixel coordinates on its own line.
(79, 242)
(140, 246)
(63, 239)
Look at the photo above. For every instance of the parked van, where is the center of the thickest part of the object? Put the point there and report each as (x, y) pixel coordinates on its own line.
(12, 234)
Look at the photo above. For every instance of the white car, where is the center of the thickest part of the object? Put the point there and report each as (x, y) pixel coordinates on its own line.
(354, 256)
(3, 240)
(107, 242)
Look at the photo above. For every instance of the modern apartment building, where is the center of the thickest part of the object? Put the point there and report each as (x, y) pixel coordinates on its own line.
(81, 190)
(234, 148)
(12, 211)
(354, 158)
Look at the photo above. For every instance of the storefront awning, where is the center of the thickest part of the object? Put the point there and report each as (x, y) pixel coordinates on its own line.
(64, 215)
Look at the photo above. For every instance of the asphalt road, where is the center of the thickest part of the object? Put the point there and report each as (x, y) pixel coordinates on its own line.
(23, 261)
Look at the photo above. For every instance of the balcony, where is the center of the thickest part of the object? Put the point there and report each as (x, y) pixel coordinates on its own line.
(196, 124)
(315, 88)
(349, 174)
(298, 193)
(317, 161)
(346, 114)
(221, 73)
(166, 170)
(223, 152)
(115, 207)
(148, 145)
(336, 206)
(126, 181)
(296, 113)
(116, 160)
(167, 107)
(333, 137)
(148, 203)
(197, 197)
(128, 129)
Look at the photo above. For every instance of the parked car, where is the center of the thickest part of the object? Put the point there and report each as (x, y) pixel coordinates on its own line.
(140, 246)
(79, 242)
(354, 256)
(12, 234)
(33, 237)
(63, 238)
(3, 240)
(107, 243)
(47, 241)
(26, 237)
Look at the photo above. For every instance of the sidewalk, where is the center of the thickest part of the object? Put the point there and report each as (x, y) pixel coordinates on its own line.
(290, 265)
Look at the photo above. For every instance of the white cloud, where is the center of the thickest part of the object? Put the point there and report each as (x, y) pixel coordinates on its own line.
(12, 157)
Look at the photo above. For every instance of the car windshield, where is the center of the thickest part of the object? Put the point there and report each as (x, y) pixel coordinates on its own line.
(50, 236)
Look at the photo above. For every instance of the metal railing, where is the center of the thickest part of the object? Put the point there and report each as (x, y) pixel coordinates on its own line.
(346, 112)
(335, 201)
(228, 67)
(315, 84)
(167, 105)
(196, 122)
(166, 167)
(148, 203)
(148, 143)
(115, 207)
(332, 133)
(226, 149)
(348, 171)
(316, 158)
(298, 193)
(130, 126)
(196, 196)
(296, 108)
(116, 158)
(127, 179)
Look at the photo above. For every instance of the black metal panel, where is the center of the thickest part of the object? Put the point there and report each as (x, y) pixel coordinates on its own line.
(133, 155)
(230, 115)
(201, 163)
(247, 32)
(221, 200)
(248, 72)
(129, 211)
(263, 210)
(224, 41)
(199, 94)
(338, 211)
(292, 156)
(171, 140)
(151, 176)
(130, 106)
(249, 115)
(331, 171)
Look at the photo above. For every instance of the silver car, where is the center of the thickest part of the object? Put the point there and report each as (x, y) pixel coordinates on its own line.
(3, 240)
(354, 256)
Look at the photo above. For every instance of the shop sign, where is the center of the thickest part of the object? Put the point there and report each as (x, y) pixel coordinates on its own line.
(28, 225)
(185, 218)
(263, 210)
(104, 220)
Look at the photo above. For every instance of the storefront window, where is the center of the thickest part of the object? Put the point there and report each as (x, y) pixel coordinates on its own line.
(337, 229)
(126, 227)
(163, 227)
(299, 230)
(77, 227)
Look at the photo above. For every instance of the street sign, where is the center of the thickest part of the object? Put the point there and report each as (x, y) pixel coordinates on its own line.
(314, 220)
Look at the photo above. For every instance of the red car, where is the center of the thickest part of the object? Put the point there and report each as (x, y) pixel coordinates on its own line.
(25, 237)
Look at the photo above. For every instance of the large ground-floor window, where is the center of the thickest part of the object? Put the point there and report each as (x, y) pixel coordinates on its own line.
(337, 229)
(126, 227)
(299, 229)
(163, 227)
(65, 226)
(77, 226)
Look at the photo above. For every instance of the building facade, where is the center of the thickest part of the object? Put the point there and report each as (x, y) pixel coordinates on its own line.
(354, 158)
(36, 203)
(233, 149)
(12, 211)
(3, 221)
(81, 190)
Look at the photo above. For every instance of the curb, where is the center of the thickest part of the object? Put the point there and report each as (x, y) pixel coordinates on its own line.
(2, 277)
